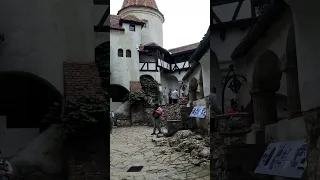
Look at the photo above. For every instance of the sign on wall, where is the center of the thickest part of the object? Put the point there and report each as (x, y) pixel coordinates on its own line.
(287, 159)
(198, 112)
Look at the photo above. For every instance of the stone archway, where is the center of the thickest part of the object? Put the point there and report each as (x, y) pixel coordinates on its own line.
(265, 83)
(193, 86)
(25, 101)
(118, 93)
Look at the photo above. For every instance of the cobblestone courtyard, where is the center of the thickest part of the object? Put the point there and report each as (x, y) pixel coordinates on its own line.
(133, 146)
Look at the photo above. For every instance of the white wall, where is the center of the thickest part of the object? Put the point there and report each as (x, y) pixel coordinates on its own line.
(154, 30)
(124, 69)
(41, 35)
(307, 41)
(226, 11)
(14, 139)
(275, 41)
(205, 66)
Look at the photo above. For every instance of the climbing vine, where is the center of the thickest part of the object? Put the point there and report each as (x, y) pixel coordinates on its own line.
(151, 88)
(83, 115)
(136, 97)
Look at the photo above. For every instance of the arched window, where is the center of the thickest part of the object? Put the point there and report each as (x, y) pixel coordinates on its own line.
(128, 53)
(120, 52)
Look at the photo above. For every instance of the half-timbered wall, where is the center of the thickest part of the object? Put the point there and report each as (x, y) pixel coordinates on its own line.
(228, 12)
(102, 35)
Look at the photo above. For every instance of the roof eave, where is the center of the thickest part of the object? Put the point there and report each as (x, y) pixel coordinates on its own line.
(202, 48)
(262, 26)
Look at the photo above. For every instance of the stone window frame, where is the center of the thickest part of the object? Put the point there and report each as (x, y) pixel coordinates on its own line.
(132, 27)
(128, 53)
(120, 52)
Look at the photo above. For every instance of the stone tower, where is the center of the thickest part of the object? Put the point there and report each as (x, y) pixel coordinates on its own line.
(146, 10)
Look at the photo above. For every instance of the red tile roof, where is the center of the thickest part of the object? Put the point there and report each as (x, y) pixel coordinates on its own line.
(115, 21)
(147, 3)
(184, 48)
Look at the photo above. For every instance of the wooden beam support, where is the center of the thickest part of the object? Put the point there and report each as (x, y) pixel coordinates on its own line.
(102, 29)
(236, 12)
(101, 2)
(142, 66)
(104, 18)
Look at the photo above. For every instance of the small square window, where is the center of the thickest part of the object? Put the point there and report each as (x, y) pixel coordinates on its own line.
(132, 27)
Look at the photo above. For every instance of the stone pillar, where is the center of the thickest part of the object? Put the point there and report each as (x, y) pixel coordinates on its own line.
(293, 92)
(265, 109)
(200, 84)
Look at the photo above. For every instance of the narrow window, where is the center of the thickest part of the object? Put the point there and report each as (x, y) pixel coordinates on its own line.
(132, 27)
(128, 53)
(120, 52)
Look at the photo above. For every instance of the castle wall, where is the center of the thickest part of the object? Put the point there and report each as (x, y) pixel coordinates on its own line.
(154, 30)
(41, 35)
(125, 69)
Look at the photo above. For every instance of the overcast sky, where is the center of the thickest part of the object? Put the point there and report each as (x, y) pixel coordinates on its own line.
(186, 21)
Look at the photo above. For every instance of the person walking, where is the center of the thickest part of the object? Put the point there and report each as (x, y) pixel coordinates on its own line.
(170, 96)
(111, 121)
(157, 114)
(175, 96)
(5, 168)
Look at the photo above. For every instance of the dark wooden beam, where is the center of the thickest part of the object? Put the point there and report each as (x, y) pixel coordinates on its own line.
(104, 18)
(253, 10)
(142, 66)
(149, 70)
(102, 29)
(222, 2)
(236, 12)
(215, 17)
(101, 2)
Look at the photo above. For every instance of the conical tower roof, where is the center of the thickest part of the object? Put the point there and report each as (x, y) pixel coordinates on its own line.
(146, 3)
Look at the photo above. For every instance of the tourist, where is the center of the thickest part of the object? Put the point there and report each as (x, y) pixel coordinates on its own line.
(157, 114)
(111, 121)
(234, 107)
(175, 96)
(182, 96)
(170, 96)
(5, 168)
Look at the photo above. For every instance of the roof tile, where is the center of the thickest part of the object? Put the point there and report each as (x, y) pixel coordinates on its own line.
(184, 48)
(147, 3)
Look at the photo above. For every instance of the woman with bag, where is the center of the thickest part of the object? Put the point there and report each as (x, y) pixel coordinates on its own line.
(158, 115)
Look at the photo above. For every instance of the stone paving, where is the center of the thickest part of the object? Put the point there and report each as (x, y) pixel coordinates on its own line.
(133, 146)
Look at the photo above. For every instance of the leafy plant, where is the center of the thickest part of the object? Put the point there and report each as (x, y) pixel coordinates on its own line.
(135, 97)
(150, 88)
(84, 115)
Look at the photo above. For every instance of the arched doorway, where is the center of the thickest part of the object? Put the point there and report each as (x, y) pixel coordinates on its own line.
(102, 59)
(25, 100)
(118, 95)
(266, 81)
(193, 86)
